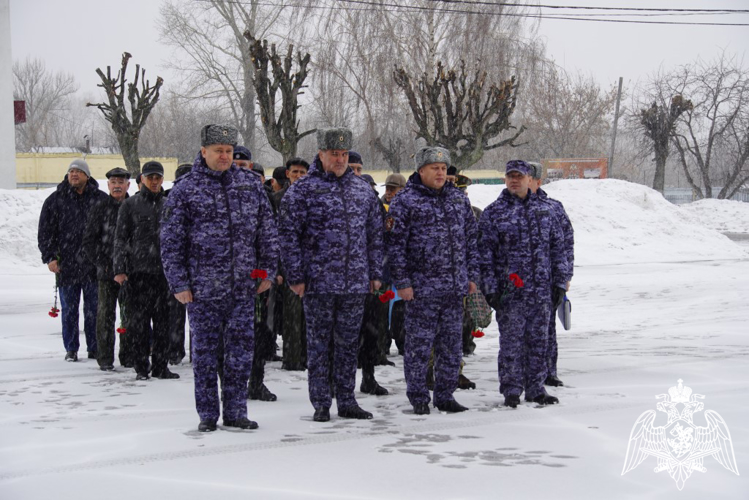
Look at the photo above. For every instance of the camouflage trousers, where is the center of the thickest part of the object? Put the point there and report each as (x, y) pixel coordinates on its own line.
(552, 351)
(523, 331)
(222, 328)
(333, 321)
(433, 322)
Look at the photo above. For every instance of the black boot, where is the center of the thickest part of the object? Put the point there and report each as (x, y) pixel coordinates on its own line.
(71, 356)
(141, 376)
(553, 381)
(242, 423)
(321, 415)
(464, 383)
(512, 401)
(543, 399)
(207, 426)
(451, 406)
(164, 374)
(369, 385)
(354, 412)
(421, 409)
(261, 394)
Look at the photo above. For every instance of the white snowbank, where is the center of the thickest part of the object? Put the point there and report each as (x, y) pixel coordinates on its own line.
(618, 222)
(615, 222)
(726, 216)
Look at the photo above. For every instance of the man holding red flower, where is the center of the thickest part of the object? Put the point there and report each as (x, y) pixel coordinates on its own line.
(217, 227)
(523, 265)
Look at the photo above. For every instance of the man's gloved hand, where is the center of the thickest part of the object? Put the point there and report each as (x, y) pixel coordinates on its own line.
(557, 296)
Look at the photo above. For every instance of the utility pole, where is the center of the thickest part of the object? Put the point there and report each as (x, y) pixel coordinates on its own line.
(616, 122)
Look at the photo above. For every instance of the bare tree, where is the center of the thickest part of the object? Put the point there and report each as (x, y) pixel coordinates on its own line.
(658, 124)
(210, 33)
(566, 117)
(712, 137)
(142, 97)
(282, 132)
(48, 99)
(460, 112)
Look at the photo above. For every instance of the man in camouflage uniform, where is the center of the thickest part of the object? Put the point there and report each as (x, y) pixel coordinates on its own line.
(98, 245)
(331, 236)
(537, 174)
(523, 268)
(431, 244)
(217, 228)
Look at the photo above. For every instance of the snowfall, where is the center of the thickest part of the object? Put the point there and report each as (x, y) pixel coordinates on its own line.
(659, 294)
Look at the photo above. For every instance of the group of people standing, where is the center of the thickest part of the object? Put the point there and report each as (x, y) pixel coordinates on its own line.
(321, 249)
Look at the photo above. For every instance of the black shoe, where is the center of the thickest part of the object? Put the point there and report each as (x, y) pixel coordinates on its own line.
(385, 362)
(164, 374)
(142, 376)
(421, 409)
(512, 401)
(71, 356)
(261, 394)
(354, 412)
(370, 386)
(543, 399)
(553, 381)
(126, 364)
(451, 406)
(176, 359)
(321, 415)
(107, 368)
(464, 383)
(207, 426)
(91, 355)
(242, 423)
(274, 357)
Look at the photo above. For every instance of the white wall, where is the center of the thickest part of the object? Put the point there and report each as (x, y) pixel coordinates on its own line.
(7, 127)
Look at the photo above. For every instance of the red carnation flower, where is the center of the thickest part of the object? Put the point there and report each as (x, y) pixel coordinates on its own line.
(387, 297)
(258, 274)
(52, 313)
(477, 334)
(121, 330)
(516, 280)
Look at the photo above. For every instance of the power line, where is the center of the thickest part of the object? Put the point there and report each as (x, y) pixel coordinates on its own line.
(586, 7)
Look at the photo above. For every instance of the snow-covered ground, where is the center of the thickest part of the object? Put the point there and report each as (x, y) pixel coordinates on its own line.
(659, 295)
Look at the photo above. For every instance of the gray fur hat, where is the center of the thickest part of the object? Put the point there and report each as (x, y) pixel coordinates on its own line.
(80, 165)
(537, 170)
(334, 138)
(431, 154)
(218, 134)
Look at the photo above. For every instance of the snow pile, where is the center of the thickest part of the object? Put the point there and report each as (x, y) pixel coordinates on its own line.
(19, 221)
(618, 222)
(726, 216)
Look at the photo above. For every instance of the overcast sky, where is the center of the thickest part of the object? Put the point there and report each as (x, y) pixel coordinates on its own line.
(81, 35)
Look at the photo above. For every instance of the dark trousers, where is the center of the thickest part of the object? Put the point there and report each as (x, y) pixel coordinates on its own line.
(552, 351)
(70, 303)
(177, 320)
(264, 344)
(294, 331)
(109, 291)
(148, 297)
(397, 325)
(371, 341)
(332, 319)
(222, 343)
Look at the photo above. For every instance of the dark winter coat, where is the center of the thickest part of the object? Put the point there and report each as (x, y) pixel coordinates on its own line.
(431, 240)
(217, 227)
(61, 227)
(137, 248)
(564, 222)
(521, 236)
(331, 233)
(98, 239)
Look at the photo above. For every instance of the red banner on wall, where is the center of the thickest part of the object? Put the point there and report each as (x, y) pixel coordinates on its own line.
(19, 111)
(576, 168)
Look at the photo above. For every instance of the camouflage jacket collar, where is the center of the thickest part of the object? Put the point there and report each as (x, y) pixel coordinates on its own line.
(414, 181)
(510, 198)
(316, 170)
